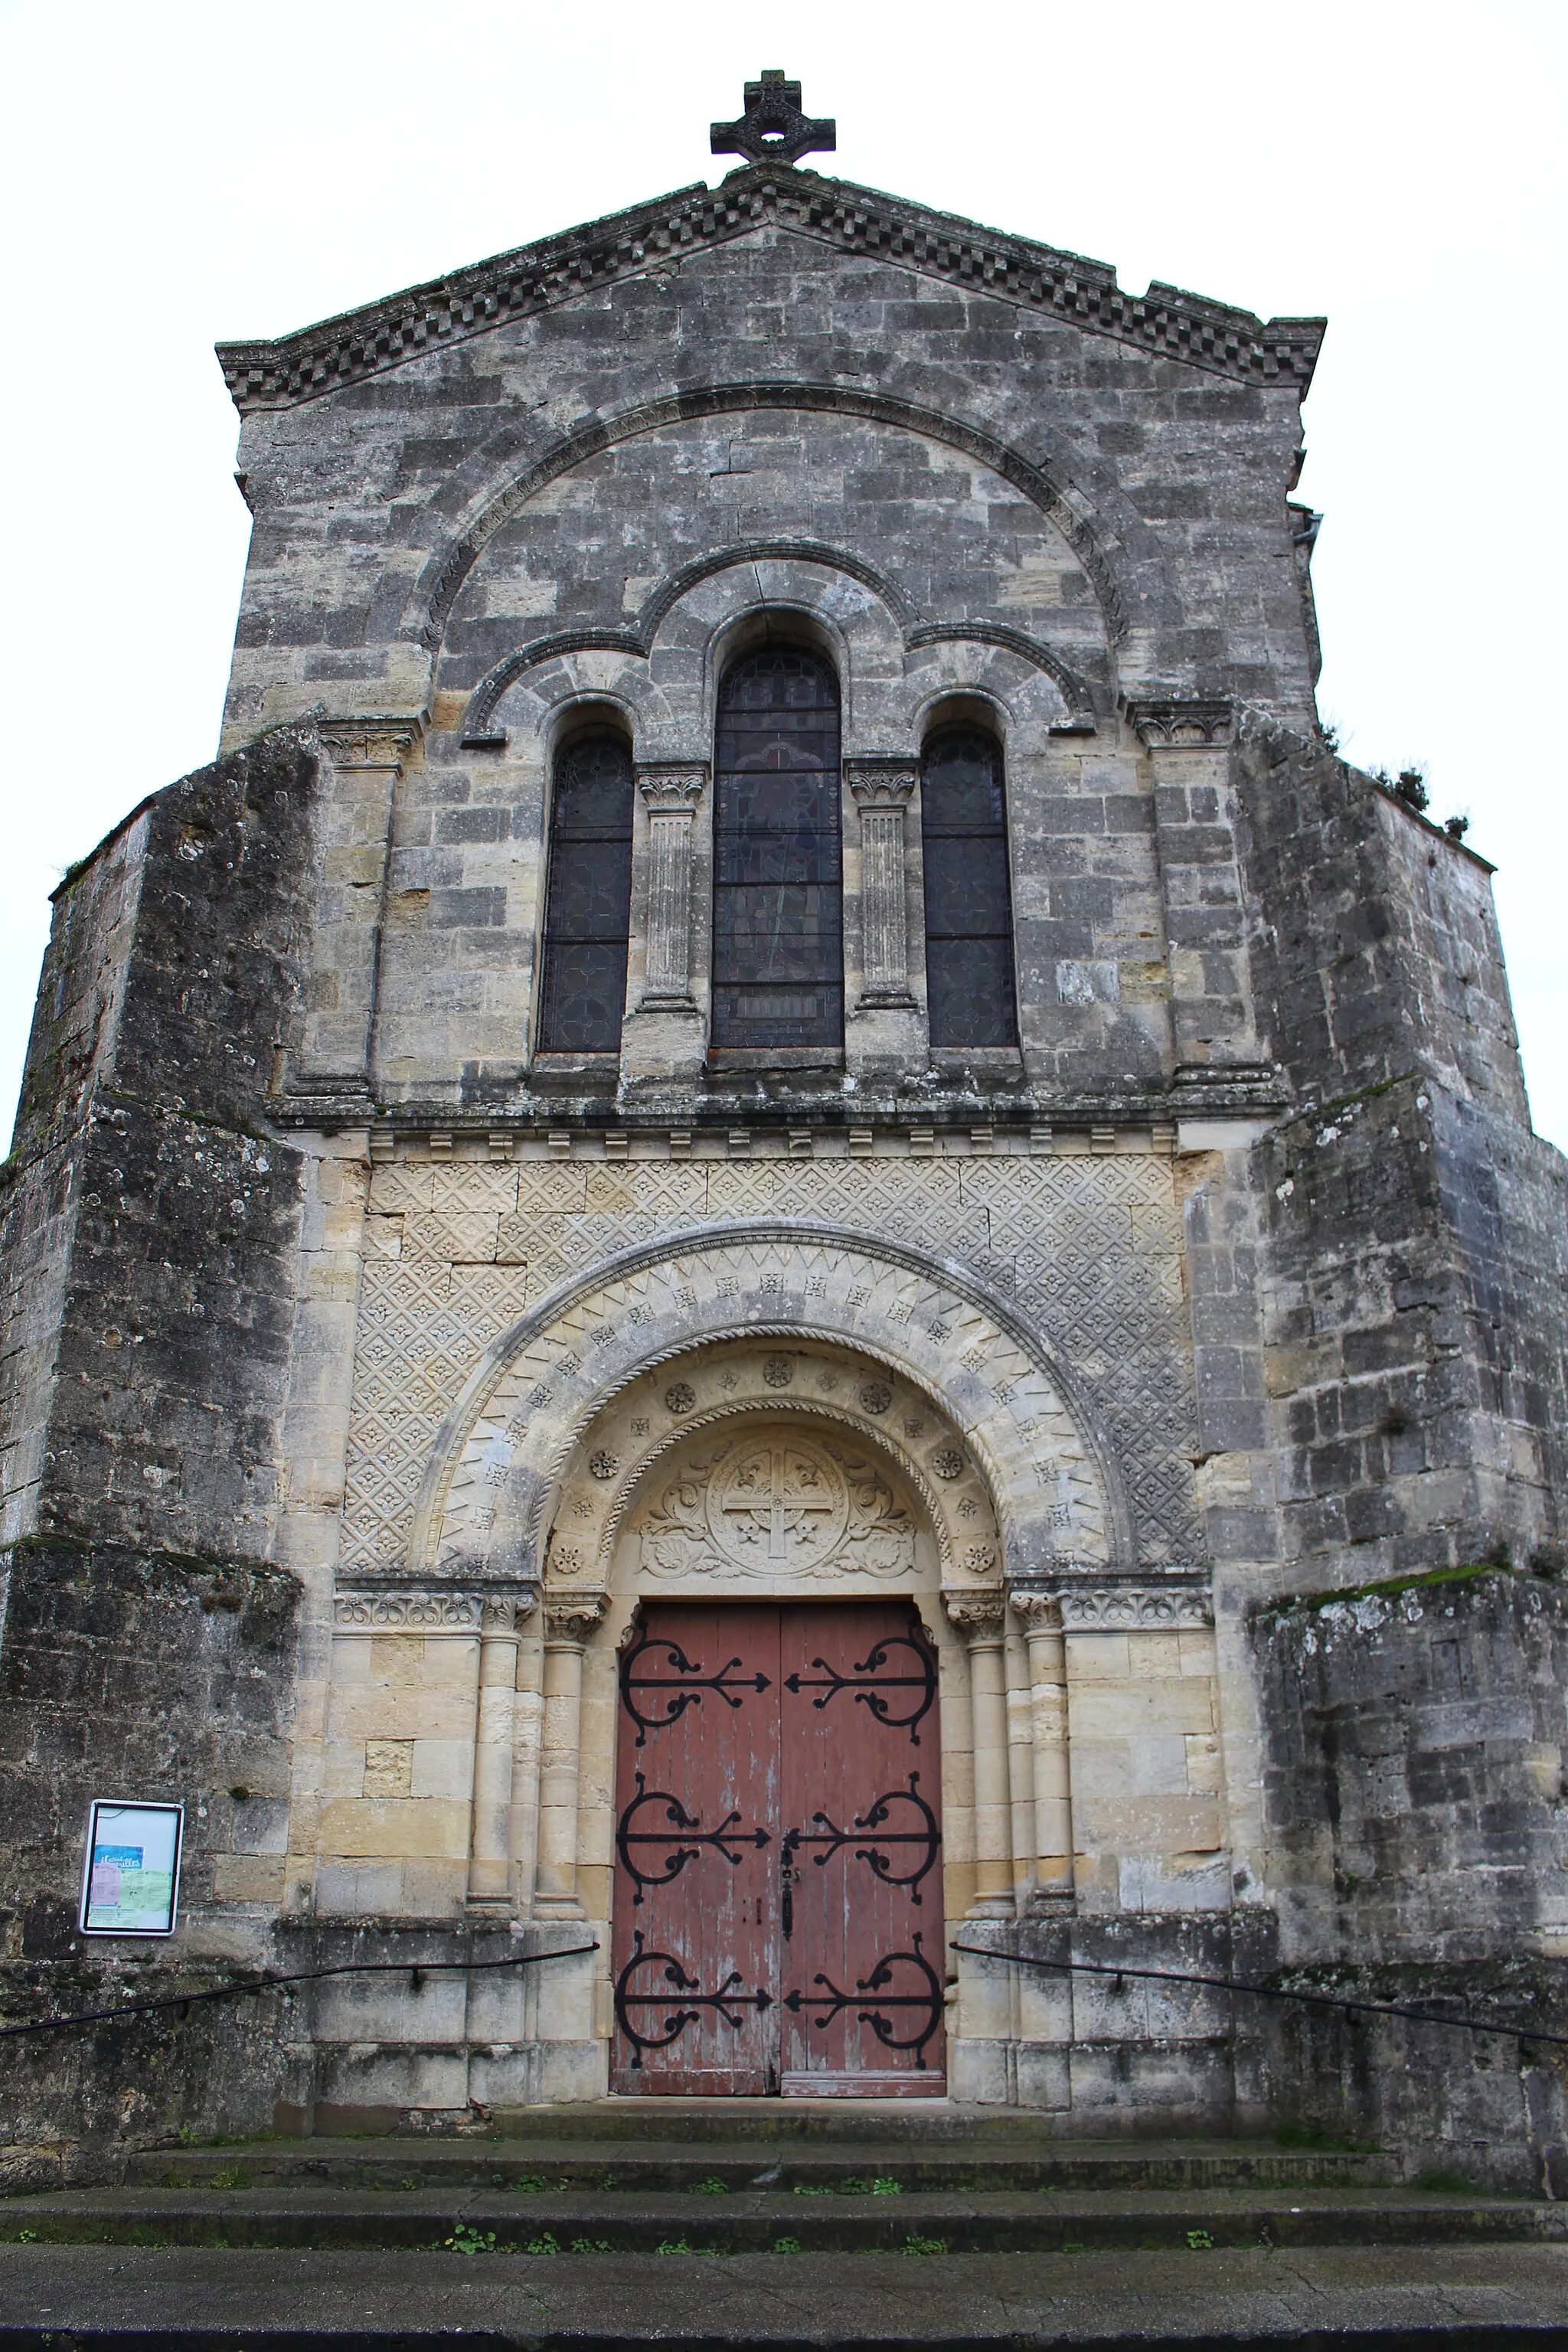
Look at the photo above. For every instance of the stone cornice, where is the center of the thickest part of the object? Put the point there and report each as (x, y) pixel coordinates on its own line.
(1165, 322)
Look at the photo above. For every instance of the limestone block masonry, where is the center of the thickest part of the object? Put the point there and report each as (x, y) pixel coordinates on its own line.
(1189, 1372)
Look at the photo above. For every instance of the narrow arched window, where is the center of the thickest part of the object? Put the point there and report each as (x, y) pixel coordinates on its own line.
(588, 898)
(778, 946)
(969, 905)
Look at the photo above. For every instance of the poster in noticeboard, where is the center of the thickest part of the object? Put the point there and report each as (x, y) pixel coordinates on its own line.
(131, 1885)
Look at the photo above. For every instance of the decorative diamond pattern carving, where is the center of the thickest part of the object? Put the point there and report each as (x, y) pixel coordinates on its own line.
(1086, 1248)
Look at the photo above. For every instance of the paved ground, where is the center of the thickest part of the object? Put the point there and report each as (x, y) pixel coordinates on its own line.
(249, 2301)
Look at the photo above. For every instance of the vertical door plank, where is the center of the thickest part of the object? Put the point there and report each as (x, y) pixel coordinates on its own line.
(695, 1928)
(863, 1963)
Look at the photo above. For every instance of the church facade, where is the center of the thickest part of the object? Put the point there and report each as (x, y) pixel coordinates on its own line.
(779, 1258)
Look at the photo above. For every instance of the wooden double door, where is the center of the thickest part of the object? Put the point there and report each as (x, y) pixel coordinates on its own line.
(778, 1892)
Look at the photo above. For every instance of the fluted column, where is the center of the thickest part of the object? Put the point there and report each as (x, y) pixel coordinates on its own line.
(1040, 1617)
(670, 790)
(881, 789)
(569, 1620)
(978, 1617)
(489, 1850)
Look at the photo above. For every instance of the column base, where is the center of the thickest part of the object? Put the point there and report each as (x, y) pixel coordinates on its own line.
(992, 1906)
(557, 1907)
(488, 1907)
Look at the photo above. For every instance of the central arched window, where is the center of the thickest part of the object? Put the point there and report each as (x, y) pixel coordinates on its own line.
(969, 906)
(588, 898)
(778, 949)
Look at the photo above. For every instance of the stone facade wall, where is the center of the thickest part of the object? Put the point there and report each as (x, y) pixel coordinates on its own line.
(1416, 1273)
(150, 1417)
(1241, 1276)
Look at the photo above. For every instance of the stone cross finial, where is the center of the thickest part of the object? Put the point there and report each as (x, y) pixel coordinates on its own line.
(773, 128)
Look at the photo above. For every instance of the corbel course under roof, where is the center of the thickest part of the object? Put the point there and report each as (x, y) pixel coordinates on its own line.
(1165, 321)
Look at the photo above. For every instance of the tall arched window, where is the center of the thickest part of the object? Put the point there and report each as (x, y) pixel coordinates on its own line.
(778, 948)
(969, 905)
(588, 898)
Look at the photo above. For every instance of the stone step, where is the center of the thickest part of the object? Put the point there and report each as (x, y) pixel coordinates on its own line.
(1503, 2298)
(583, 2224)
(1006, 2161)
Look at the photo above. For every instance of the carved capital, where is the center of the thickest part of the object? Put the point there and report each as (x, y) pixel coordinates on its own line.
(504, 1612)
(976, 1615)
(672, 787)
(1178, 723)
(1037, 1612)
(380, 739)
(572, 1616)
(884, 780)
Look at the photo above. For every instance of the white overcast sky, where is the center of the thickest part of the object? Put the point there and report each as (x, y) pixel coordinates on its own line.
(174, 173)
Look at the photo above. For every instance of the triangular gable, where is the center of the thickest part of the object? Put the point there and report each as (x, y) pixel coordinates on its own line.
(1165, 321)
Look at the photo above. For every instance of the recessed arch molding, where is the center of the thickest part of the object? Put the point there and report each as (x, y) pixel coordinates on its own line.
(499, 1454)
(442, 577)
(638, 639)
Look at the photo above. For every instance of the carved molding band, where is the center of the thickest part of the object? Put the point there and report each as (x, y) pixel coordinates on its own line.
(1179, 725)
(882, 788)
(1114, 1609)
(442, 1610)
(670, 790)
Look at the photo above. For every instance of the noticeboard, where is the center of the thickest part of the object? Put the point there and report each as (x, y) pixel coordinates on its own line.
(131, 1883)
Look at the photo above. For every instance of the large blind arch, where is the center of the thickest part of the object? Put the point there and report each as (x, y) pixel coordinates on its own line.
(970, 985)
(587, 895)
(778, 945)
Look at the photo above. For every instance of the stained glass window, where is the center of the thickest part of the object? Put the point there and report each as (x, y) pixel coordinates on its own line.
(588, 898)
(778, 947)
(969, 906)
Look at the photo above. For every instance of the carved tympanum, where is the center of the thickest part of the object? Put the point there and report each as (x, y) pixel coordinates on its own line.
(773, 1503)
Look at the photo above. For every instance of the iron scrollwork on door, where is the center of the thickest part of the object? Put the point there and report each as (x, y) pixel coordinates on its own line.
(874, 1687)
(683, 1685)
(919, 1834)
(682, 2003)
(682, 1841)
(920, 1996)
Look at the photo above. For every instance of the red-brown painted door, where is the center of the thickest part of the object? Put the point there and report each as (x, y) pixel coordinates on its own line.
(778, 1893)
(861, 1921)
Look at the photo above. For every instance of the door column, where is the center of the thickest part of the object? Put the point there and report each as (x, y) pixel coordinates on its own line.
(1040, 1617)
(569, 1620)
(489, 1853)
(978, 1617)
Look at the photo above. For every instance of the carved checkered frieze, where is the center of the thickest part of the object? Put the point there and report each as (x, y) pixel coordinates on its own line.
(1085, 1249)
